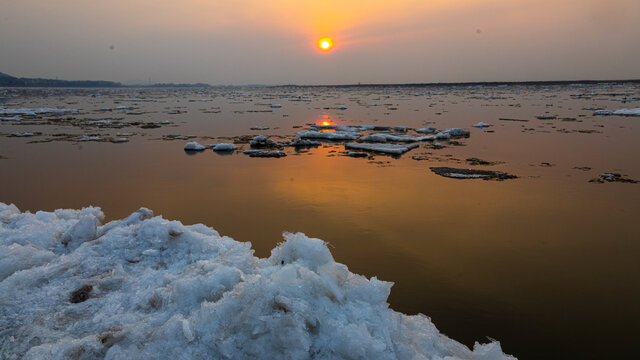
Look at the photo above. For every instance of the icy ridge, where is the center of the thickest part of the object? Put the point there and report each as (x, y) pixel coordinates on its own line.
(147, 287)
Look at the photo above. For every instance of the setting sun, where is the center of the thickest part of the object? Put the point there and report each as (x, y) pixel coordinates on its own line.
(325, 43)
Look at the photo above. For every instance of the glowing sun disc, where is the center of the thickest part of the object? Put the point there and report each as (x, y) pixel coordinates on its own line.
(325, 43)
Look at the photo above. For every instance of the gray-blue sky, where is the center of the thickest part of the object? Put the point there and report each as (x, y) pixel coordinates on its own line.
(272, 42)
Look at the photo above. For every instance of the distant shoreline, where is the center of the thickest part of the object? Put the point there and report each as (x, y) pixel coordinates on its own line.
(14, 82)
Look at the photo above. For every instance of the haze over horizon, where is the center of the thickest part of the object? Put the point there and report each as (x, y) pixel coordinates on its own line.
(256, 42)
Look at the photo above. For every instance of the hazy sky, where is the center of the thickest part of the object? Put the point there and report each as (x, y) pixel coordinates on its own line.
(274, 41)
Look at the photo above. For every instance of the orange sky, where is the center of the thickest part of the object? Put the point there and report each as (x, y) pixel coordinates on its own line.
(274, 42)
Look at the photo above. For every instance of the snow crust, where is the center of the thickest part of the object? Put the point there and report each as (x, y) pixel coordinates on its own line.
(148, 288)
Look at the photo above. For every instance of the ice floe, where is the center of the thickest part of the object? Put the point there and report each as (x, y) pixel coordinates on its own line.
(224, 147)
(194, 146)
(148, 288)
(36, 111)
(481, 125)
(265, 153)
(427, 130)
(384, 137)
(472, 173)
(392, 149)
(338, 135)
(620, 112)
(456, 132)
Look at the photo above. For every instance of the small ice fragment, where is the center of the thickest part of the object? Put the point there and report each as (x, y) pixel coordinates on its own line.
(276, 106)
(224, 147)
(427, 130)
(23, 134)
(481, 125)
(442, 136)
(259, 128)
(400, 128)
(193, 146)
(89, 138)
(119, 140)
(456, 132)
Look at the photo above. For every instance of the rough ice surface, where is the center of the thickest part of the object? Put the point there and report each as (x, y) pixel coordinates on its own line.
(36, 111)
(224, 147)
(193, 146)
(456, 132)
(427, 130)
(392, 149)
(148, 288)
(442, 136)
(620, 112)
(383, 137)
(338, 135)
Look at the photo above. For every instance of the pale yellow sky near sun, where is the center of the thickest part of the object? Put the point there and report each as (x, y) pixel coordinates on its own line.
(275, 42)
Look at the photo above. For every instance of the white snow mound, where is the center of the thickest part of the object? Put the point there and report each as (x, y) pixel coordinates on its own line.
(149, 288)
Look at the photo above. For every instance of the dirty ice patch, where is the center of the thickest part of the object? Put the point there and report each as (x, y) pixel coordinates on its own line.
(148, 288)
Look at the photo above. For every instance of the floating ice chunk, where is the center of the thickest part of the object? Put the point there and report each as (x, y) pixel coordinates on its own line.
(36, 111)
(341, 108)
(442, 136)
(276, 106)
(224, 147)
(297, 142)
(456, 132)
(193, 146)
(389, 137)
(620, 112)
(22, 134)
(259, 128)
(262, 141)
(471, 173)
(265, 154)
(12, 118)
(392, 149)
(338, 135)
(123, 107)
(546, 117)
(119, 140)
(481, 125)
(89, 138)
(400, 128)
(427, 130)
(151, 288)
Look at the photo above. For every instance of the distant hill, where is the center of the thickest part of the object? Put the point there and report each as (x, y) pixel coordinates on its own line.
(12, 81)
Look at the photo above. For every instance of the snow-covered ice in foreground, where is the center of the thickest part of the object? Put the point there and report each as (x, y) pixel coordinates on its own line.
(148, 288)
(193, 146)
(392, 149)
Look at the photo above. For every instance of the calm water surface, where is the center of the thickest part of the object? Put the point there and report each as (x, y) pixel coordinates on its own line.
(547, 263)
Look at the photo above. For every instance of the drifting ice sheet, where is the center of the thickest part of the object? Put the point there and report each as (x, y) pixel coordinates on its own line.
(392, 149)
(338, 135)
(149, 288)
